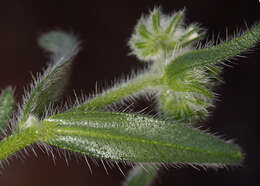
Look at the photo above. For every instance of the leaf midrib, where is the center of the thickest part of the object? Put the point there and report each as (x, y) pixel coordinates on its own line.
(78, 132)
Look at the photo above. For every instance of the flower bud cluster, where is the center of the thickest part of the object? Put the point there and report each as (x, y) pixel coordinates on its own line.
(158, 34)
(159, 38)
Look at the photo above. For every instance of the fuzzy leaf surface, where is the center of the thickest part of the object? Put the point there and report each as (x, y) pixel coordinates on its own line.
(133, 138)
(50, 86)
(215, 54)
(6, 107)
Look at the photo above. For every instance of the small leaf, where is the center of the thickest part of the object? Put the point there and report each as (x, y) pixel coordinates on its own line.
(193, 39)
(143, 31)
(190, 33)
(176, 20)
(141, 45)
(49, 87)
(6, 107)
(156, 20)
(129, 137)
(141, 176)
(213, 55)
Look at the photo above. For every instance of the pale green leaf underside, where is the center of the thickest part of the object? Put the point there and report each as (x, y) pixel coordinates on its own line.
(218, 53)
(129, 137)
(141, 176)
(6, 107)
(50, 86)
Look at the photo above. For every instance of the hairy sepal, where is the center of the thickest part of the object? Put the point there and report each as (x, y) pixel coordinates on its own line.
(188, 97)
(213, 55)
(49, 87)
(133, 138)
(6, 107)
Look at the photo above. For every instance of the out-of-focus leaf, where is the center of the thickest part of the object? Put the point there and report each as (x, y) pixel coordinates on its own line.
(141, 175)
(6, 107)
(49, 87)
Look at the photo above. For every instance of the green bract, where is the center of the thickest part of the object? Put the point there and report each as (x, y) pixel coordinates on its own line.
(180, 76)
(49, 87)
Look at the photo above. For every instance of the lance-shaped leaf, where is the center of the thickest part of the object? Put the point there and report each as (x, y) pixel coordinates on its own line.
(49, 87)
(174, 23)
(6, 107)
(141, 175)
(213, 55)
(156, 20)
(129, 137)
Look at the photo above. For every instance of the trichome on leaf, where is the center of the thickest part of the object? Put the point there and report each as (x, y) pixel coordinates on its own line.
(181, 75)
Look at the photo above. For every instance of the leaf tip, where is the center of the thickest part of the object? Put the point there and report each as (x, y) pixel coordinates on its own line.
(60, 43)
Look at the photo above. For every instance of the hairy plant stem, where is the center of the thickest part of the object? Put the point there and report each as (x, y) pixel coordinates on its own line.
(115, 94)
(18, 141)
(22, 138)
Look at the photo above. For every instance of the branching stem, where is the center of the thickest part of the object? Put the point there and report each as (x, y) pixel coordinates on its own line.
(120, 92)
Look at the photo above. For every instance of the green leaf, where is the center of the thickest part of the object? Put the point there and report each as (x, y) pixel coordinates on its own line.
(6, 107)
(192, 35)
(133, 138)
(213, 55)
(143, 31)
(176, 20)
(189, 33)
(156, 20)
(50, 86)
(141, 175)
(193, 39)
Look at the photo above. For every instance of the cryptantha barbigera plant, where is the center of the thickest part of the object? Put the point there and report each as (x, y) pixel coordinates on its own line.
(181, 75)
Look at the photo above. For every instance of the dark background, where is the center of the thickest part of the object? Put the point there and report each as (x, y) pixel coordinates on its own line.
(104, 27)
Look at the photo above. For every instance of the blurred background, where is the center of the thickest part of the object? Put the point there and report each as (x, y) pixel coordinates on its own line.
(104, 28)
